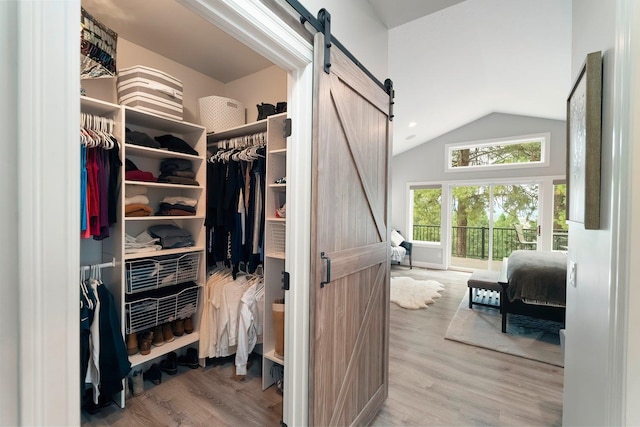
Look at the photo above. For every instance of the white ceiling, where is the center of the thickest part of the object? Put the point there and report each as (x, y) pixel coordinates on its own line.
(397, 12)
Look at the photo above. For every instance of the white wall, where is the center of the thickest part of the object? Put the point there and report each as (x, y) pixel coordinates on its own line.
(588, 322)
(476, 57)
(8, 215)
(268, 85)
(357, 27)
(425, 163)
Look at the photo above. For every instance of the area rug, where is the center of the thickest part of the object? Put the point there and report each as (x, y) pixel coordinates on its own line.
(414, 294)
(526, 337)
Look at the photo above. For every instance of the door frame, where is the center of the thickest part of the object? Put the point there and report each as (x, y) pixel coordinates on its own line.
(48, 244)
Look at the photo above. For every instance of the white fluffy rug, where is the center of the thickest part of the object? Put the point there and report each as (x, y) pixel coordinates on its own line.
(414, 294)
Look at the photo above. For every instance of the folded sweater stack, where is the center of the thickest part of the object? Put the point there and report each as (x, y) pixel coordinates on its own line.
(177, 171)
(136, 202)
(132, 173)
(177, 206)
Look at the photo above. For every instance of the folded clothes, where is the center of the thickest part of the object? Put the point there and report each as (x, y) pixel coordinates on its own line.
(177, 206)
(134, 190)
(173, 143)
(137, 209)
(143, 242)
(141, 199)
(138, 175)
(168, 166)
(180, 200)
(171, 236)
(140, 138)
(184, 174)
(174, 212)
(177, 180)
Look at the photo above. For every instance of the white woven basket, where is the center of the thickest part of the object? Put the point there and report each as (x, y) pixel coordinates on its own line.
(218, 113)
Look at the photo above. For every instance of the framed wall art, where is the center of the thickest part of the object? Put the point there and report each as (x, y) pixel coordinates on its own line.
(584, 119)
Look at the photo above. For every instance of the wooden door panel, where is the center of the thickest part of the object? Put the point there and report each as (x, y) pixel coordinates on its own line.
(348, 378)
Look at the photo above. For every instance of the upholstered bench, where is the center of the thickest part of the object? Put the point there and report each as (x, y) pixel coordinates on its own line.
(484, 280)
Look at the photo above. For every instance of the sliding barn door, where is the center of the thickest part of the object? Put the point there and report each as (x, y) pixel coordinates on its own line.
(350, 314)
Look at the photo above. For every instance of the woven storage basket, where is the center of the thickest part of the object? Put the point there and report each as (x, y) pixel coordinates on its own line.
(218, 113)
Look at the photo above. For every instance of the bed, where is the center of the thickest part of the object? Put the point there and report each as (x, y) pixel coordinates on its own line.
(535, 284)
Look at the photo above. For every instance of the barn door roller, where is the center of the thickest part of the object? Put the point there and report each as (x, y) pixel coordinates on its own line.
(323, 24)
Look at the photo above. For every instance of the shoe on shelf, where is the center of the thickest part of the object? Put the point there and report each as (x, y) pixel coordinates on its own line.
(132, 344)
(137, 383)
(188, 325)
(158, 336)
(167, 333)
(178, 328)
(170, 364)
(153, 374)
(144, 343)
(190, 358)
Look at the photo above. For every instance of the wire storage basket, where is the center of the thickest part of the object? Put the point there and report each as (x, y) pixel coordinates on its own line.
(153, 273)
(144, 311)
(277, 239)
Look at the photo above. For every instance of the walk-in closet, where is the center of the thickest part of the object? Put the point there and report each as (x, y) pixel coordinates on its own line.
(183, 209)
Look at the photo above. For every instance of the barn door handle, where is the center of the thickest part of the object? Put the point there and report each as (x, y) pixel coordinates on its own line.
(322, 255)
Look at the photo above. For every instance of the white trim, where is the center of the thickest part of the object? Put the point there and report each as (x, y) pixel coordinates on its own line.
(619, 407)
(545, 155)
(49, 197)
(254, 24)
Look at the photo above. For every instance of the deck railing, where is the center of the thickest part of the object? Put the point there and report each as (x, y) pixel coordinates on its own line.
(473, 242)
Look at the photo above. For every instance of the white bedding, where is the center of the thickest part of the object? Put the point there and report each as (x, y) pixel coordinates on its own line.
(398, 253)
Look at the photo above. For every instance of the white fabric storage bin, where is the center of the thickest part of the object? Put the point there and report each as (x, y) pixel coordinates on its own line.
(218, 113)
(146, 89)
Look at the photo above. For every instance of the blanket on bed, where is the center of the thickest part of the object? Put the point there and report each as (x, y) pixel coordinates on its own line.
(537, 276)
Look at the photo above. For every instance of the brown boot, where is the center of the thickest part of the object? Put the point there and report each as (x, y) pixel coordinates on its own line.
(145, 342)
(167, 333)
(178, 327)
(158, 336)
(132, 344)
(188, 325)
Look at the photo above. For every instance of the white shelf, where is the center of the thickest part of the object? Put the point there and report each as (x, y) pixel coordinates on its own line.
(271, 355)
(160, 123)
(154, 153)
(274, 219)
(162, 217)
(164, 185)
(276, 255)
(167, 347)
(279, 152)
(248, 129)
(97, 107)
(164, 252)
(278, 187)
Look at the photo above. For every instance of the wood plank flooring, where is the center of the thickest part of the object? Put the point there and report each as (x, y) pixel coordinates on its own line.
(433, 381)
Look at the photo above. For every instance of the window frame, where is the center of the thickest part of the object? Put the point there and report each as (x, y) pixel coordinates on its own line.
(544, 161)
(428, 186)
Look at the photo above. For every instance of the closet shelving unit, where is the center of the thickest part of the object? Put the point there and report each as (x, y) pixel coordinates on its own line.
(275, 227)
(149, 159)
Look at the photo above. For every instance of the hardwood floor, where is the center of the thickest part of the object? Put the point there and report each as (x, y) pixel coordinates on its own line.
(437, 382)
(432, 381)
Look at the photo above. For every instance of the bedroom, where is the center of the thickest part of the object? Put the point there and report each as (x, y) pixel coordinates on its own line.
(586, 39)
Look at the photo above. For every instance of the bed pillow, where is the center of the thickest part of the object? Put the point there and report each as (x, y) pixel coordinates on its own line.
(396, 238)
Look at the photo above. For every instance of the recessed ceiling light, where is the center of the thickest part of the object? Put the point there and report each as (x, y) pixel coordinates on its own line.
(412, 124)
(410, 137)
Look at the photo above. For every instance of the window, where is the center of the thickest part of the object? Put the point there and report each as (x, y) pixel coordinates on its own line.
(426, 210)
(560, 227)
(526, 151)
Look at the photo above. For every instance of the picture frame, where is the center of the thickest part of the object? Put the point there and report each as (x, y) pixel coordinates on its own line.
(584, 139)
